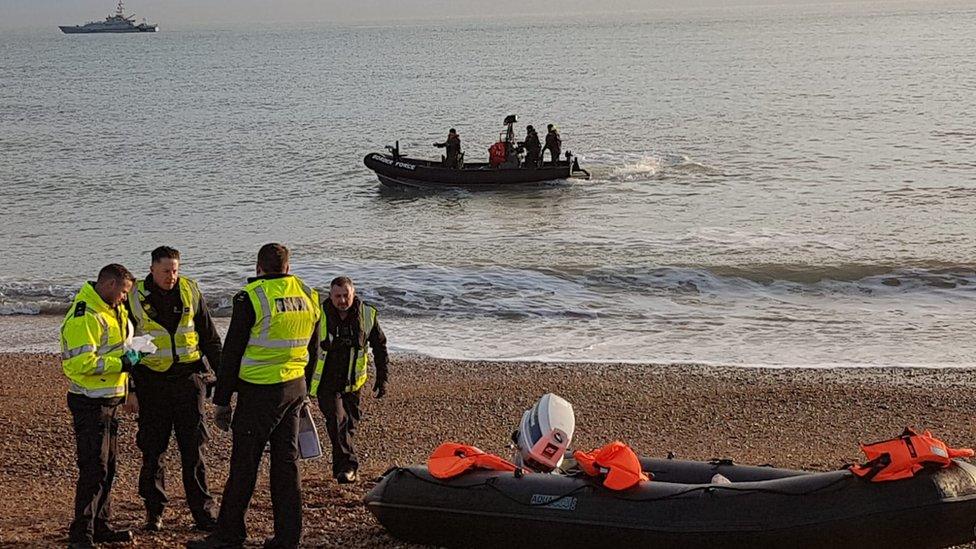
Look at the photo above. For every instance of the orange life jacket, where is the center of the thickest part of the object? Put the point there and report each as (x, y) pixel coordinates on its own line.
(450, 459)
(905, 455)
(617, 460)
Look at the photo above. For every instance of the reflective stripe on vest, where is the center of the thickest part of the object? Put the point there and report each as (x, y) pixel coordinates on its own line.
(105, 392)
(904, 456)
(286, 311)
(358, 367)
(92, 339)
(181, 346)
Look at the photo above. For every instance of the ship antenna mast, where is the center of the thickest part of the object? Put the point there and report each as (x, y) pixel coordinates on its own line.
(119, 10)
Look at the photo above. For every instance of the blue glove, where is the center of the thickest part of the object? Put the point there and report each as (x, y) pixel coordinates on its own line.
(130, 359)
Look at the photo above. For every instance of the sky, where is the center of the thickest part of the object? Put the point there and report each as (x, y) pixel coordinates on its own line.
(180, 13)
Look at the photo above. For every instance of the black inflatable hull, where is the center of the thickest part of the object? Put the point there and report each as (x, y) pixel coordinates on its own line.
(414, 173)
(763, 507)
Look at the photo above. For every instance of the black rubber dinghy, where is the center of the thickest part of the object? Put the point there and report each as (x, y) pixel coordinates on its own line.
(680, 507)
(400, 171)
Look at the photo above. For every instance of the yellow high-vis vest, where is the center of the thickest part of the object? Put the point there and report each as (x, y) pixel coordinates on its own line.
(92, 337)
(285, 311)
(358, 358)
(182, 346)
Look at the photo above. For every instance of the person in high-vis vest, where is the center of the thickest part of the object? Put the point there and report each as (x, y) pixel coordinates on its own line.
(96, 364)
(271, 343)
(348, 330)
(171, 384)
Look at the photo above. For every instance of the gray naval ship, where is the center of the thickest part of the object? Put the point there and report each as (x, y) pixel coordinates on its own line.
(113, 23)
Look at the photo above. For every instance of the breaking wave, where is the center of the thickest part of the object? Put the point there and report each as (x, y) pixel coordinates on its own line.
(423, 290)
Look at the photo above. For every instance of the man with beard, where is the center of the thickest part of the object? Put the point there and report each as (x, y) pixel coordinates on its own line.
(347, 330)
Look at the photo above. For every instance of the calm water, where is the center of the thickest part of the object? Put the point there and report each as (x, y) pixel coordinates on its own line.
(771, 187)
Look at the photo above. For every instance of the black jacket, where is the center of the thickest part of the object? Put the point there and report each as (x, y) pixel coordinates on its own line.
(238, 334)
(531, 143)
(342, 333)
(167, 310)
(453, 145)
(553, 143)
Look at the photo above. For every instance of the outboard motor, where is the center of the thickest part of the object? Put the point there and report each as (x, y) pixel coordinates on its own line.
(544, 434)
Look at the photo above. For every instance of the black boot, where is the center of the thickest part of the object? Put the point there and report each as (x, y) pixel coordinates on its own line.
(154, 521)
(348, 476)
(273, 543)
(212, 542)
(206, 524)
(107, 535)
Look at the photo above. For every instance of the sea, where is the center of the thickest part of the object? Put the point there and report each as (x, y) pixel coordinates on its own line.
(785, 186)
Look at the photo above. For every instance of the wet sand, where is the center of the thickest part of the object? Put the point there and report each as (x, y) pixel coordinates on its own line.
(809, 419)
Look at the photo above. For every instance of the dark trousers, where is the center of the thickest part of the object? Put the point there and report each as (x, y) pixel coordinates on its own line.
(96, 438)
(168, 404)
(342, 414)
(263, 414)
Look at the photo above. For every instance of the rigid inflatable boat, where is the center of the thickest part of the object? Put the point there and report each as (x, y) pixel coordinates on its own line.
(680, 507)
(399, 171)
(506, 167)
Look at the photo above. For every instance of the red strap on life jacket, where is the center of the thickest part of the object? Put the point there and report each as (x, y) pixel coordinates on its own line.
(904, 456)
(450, 459)
(617, 460)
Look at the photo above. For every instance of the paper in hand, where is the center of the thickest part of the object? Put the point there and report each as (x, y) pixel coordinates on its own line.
(141, 344)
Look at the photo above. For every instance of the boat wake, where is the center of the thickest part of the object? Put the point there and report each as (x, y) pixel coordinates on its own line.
(635, 167)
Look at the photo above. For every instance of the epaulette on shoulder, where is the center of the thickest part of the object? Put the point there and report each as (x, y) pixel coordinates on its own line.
(80, 308)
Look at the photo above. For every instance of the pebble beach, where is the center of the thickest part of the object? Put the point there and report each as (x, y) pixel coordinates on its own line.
(799, 418)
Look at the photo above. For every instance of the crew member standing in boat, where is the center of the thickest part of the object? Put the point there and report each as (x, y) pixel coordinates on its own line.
(533, 147)
(453, 146)
(348, 329)
(553, 143)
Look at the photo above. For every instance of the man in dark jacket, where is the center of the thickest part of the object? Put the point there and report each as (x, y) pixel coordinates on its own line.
(533, 147)
(453, 146)
(553, 143)
(348, 329)
(171, 384)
